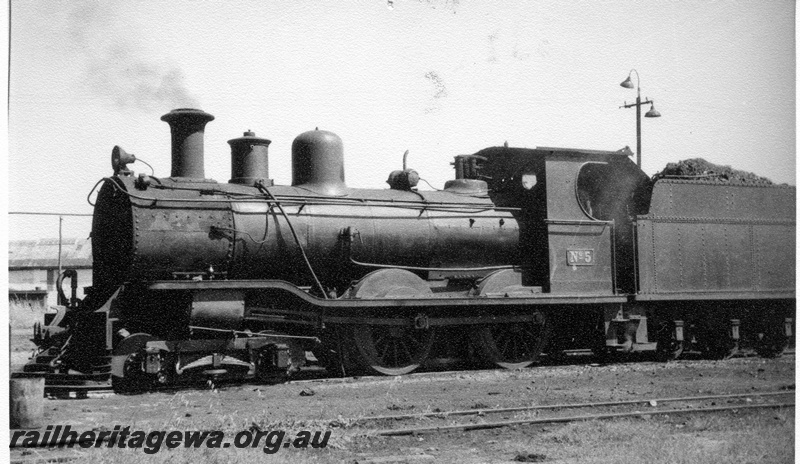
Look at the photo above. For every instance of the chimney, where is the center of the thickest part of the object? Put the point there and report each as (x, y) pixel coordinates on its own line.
(187, 127)
(249, 159)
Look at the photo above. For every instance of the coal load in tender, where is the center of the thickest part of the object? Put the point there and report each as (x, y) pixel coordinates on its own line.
(698, 168)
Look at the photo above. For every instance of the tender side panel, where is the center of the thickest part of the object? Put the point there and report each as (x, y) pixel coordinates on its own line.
(774, 247)
(738, 238)
(717, 240)
(696, 199)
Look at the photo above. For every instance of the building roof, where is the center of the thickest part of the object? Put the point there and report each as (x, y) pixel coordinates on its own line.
(43, 254)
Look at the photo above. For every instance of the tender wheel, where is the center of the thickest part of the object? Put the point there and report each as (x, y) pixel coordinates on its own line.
(669, 350)
(716, 342)
(667, 347)
(720, 349)
(392, 350)
(770, 336)
(771, 345)
(512, 346)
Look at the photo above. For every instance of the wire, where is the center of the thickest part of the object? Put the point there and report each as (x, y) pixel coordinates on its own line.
(152, 171)
(257, 242)
(431, 186)
(50, 214)
(89, 196)
(264, 189)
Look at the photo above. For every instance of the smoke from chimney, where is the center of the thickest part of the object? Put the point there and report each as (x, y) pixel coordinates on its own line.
(116, 67)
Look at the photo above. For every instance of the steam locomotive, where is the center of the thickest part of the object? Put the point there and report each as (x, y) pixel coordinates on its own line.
(524, 250)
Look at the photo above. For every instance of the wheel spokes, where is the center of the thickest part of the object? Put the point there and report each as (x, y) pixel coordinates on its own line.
(512, 346)
(393, 351)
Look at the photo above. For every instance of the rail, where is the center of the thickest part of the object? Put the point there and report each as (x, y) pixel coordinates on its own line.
(654, 402)
(586, 417)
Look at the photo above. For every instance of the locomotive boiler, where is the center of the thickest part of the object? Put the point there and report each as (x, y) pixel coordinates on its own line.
(195, 278)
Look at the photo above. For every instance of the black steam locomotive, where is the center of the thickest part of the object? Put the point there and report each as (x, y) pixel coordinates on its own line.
(525, 250)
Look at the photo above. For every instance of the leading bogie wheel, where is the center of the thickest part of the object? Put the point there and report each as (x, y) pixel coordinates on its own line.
(127, 375)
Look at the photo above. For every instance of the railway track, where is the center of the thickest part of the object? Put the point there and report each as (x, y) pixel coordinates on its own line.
(440, 422)
(317, 374)
(612, 410)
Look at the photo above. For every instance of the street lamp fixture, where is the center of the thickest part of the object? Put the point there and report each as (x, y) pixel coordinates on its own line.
(628, 84)
(652, 113)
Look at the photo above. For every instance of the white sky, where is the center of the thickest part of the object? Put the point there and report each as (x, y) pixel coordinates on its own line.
(436, 77)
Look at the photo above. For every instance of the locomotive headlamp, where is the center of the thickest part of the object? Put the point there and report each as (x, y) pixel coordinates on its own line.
(120, 159)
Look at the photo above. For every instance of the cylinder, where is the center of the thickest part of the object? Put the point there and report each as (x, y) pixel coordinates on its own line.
(249, 159)
(318, 162)
(27, 402)
(188, 128)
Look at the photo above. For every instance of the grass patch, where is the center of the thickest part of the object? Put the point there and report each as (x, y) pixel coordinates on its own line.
(22, 314)
(205, 455)
(765, 436)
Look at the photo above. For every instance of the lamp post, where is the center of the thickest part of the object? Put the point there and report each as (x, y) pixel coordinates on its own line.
(628, 84)
(60, 223)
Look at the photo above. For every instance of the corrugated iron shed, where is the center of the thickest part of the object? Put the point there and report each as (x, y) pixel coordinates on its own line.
(43, 254)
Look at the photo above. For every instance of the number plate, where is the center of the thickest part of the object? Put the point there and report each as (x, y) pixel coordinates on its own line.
(580, 257)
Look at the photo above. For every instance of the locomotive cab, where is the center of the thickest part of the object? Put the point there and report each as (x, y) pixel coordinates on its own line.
(576, 211)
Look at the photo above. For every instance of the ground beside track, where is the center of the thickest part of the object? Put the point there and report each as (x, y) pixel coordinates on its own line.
(752, 436)
(21, 347)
